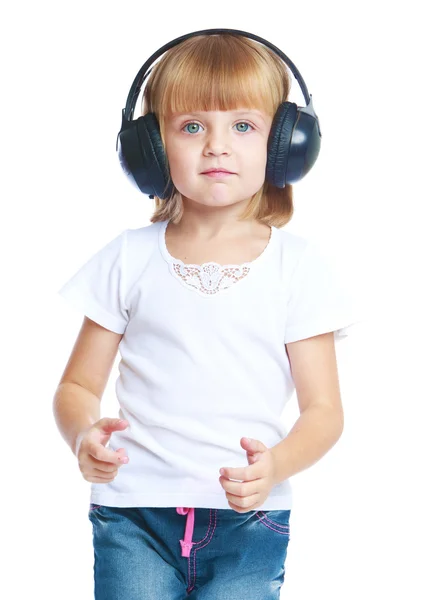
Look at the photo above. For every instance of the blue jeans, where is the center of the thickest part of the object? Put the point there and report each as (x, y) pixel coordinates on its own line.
(188, 553)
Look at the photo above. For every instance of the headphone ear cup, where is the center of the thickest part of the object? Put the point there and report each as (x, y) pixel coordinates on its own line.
(142, 156)
(293, 144)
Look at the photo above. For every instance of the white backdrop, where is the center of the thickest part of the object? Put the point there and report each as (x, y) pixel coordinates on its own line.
(360, 524)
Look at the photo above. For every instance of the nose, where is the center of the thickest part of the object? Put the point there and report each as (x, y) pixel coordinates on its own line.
(217, 142)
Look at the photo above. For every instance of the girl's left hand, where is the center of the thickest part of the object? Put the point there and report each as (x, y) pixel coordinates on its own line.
(257, 479)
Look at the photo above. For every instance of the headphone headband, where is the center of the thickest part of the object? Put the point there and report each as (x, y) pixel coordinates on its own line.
(142, 74)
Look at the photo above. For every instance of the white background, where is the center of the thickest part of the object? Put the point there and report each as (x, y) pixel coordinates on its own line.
(360, 524)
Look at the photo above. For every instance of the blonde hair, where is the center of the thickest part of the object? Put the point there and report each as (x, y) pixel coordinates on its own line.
(220, 72)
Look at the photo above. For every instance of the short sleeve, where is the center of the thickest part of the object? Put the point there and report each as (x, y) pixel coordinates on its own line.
(97, 289)
(318, 301)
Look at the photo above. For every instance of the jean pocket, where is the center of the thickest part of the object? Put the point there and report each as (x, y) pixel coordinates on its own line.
(93, 508)
(277, 520)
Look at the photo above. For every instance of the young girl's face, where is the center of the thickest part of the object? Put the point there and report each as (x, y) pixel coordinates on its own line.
(235, 140)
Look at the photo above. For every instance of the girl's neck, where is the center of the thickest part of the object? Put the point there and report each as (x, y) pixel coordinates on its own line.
(211, 230)
(204, 247)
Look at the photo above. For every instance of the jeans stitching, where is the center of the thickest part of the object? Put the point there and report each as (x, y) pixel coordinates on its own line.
(192, 583)
(268, 522)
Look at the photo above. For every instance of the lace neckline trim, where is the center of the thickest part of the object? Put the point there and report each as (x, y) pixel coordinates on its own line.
(170, 259)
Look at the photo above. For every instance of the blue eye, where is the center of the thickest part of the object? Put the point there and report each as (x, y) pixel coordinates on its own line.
(197, 124)
(193, 123)
(244, 123)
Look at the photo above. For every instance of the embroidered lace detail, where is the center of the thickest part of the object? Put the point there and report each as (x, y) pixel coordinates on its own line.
(211, 277)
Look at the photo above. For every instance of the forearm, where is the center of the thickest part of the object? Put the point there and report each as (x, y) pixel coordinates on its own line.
(75, 409)
(315, 432)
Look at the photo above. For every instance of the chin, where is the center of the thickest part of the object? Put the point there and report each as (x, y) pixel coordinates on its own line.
(218, 203)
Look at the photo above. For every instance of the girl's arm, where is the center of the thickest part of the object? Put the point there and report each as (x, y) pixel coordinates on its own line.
(76, 404)
(321, 422)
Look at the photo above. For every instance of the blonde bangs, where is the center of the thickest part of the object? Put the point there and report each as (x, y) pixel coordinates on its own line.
(217, 72)
(220, 72)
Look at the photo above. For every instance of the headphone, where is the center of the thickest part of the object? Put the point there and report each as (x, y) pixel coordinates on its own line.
(293, 142)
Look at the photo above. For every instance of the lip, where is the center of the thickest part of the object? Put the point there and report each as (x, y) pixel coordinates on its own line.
(218, 174)
(209, 171)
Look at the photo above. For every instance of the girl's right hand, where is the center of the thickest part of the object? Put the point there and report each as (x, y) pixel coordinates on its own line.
(96, 463)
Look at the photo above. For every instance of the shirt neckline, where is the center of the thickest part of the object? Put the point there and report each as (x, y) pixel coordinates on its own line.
(170, 259)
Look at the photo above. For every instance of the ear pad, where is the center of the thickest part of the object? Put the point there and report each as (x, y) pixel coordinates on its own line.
(293, 144)
(143, 158)
(151, 144)
(279, 142)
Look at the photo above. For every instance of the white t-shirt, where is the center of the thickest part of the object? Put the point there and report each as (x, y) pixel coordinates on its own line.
(203, 357)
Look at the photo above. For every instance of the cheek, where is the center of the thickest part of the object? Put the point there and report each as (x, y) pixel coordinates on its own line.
(175, 159)
(177, 155)
(181, 169)
(254, 155)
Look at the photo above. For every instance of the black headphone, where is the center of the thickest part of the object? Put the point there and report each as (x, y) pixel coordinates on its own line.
(293, 143)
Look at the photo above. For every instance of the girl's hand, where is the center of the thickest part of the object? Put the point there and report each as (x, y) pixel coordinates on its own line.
(96, 463)
(257, 479)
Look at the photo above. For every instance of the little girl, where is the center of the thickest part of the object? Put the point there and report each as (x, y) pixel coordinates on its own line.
(218, 315)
